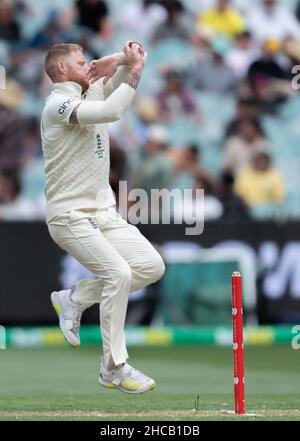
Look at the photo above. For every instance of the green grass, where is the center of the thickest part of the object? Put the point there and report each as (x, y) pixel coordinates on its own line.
(61, 384)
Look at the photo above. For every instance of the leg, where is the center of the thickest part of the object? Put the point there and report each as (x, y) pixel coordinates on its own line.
(84, 240)
(145, 262)
(88, 245)
(146, 267)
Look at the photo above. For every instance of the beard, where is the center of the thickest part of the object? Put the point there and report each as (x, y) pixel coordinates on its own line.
(79, 79)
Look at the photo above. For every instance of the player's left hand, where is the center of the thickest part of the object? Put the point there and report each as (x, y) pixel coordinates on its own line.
(105, 67)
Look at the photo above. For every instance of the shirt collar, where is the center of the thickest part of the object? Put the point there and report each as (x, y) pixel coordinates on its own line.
(69, 87)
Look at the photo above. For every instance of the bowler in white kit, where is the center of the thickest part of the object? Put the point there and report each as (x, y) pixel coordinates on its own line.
(81, 213)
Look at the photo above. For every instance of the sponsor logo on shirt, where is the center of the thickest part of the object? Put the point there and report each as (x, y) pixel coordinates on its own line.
(100, 150)
(93, 223)
(64, 106)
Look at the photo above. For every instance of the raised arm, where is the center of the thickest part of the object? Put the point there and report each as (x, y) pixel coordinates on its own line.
(114, 69)
(113, 108)
(119, 77)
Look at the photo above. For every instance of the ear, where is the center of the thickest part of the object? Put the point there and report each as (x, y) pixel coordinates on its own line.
(62, 66)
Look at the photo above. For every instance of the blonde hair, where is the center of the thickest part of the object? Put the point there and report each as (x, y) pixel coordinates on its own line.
(56, 51)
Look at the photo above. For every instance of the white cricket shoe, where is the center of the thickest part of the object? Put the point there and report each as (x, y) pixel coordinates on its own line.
(125, 378)
(69, 314)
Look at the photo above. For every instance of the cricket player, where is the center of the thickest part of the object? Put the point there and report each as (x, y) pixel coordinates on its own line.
(81, 213)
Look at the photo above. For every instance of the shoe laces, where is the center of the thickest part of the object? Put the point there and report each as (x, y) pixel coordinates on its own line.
(135, 374)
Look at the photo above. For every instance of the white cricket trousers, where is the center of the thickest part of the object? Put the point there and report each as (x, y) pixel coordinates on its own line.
(122, 258)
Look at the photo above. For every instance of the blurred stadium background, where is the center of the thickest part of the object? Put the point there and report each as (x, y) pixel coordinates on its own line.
(217, 108)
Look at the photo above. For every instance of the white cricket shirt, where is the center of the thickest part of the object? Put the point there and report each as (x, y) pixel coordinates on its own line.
(77, 155)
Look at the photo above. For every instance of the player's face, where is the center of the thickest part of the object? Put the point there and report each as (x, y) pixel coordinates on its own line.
(78, 70)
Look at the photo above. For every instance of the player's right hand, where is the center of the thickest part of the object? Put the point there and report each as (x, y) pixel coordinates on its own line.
(103, 68)
(134, 53)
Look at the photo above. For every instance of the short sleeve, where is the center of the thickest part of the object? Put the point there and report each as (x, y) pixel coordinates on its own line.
(59, 109)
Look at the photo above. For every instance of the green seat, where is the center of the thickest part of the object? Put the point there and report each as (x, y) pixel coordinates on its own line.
(171, 51)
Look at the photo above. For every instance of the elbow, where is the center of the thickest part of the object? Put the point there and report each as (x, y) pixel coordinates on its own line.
(117, 115)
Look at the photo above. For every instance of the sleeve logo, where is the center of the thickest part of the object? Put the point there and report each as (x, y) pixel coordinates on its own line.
(64, 106)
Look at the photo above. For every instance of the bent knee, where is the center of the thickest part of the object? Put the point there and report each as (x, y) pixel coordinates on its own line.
(124, 275)
(158, 267)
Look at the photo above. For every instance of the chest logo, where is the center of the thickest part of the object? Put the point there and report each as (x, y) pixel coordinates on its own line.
(100, 149)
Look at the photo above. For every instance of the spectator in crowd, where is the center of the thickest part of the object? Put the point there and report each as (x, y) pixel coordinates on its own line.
(260, 183)
(92, 14)
(223, 19)
(154, 168)
(69, 30)
(9, 27)
(143, 17)
(214, 75)
(273, 21)
(188, 168)
(175, 100)
(22, 175)
(248, 65)
(234, 208)
(291, 49)
(189, 173)
(147, 112)
(32, 177)
(117, 166)
(239, 149)
(134, 132)
(241, 55)
(13, 127)
(243, 6)
(49, 34)
(201, 41)
(202, 205)
(267, 64)
(244, 109)
(26, 69)
(268, 81)
(32, 140)
(10, 185)
(263, 96)
(175, 25)
(13, 205)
